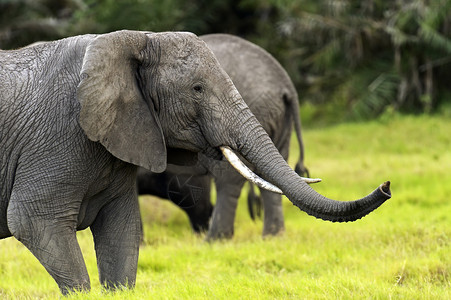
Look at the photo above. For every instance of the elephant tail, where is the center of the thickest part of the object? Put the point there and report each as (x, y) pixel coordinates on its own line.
(292, 104)
(254, 203)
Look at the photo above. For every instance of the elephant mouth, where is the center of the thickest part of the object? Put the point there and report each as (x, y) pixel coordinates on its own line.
(212, 152)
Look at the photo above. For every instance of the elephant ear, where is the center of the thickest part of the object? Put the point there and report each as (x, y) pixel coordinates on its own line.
(113, 109)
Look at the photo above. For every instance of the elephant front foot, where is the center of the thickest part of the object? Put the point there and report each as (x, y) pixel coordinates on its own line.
(215, 234)
(274, 229)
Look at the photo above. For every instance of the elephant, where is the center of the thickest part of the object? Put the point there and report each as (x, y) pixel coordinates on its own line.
(79, 115)
(271, 96)
(188, 188)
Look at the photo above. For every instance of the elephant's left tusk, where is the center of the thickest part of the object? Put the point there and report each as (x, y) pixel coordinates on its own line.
(247, 173)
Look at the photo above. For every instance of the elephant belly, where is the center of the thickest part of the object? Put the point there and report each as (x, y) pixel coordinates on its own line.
(89, 209)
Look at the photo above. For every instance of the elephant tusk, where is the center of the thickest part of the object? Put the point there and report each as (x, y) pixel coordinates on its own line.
(247, 173)
(311, 180)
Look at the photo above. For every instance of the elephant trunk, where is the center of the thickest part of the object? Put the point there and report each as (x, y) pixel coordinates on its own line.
(257, 148)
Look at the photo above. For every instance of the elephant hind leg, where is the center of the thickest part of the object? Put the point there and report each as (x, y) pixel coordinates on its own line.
(53, 242)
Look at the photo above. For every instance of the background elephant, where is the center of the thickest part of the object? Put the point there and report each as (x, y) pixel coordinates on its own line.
(77, 117)
(272, 97)
(187, 189)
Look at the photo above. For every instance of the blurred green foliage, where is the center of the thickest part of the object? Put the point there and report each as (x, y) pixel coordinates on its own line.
(349, 59)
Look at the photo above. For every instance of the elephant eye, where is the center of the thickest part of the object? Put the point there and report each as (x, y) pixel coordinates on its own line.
(198, 88)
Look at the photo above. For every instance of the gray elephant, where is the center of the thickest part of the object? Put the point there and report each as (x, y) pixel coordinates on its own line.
(272, 97)
(77, 117)
(188, 188)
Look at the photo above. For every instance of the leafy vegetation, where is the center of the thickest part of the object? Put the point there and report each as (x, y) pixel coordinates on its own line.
(370, 55)
(400, 251)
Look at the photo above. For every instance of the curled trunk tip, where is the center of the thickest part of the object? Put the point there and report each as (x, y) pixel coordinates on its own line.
(349, 211)
(385, 187)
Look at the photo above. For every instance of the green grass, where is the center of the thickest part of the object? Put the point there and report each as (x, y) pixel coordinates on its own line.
(400, 251)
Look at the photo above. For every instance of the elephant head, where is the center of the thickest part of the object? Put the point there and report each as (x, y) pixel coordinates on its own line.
(143, 92)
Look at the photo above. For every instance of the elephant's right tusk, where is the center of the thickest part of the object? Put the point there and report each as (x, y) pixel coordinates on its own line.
(247, 173)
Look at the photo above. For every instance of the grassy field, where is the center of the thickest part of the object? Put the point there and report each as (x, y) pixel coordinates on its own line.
(401, 251)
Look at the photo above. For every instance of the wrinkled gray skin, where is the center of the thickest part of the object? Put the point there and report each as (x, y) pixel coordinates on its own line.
(77, 117)
(272, 97)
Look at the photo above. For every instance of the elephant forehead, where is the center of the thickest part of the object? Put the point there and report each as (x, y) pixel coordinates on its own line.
(185, 52)
(191, 65)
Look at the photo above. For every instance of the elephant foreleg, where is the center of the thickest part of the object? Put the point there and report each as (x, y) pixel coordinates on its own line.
(228, 189)
(273, 223)
(52, 240)
(117, 232)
